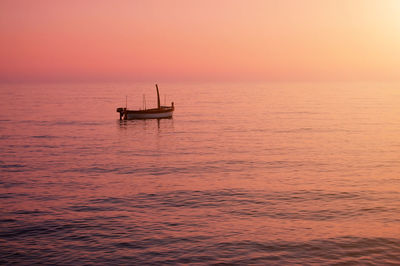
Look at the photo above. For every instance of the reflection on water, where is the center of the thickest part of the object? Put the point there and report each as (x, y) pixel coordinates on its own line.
(267, 174)
(161, 123)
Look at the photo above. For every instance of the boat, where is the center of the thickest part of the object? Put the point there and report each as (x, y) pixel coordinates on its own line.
(159, 112)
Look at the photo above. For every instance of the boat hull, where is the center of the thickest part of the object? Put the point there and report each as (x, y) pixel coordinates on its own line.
(138, 115)
(162, 112)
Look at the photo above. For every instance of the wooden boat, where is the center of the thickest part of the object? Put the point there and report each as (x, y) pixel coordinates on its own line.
(159, 112)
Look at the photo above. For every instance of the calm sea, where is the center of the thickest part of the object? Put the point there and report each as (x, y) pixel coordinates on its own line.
(242, 174)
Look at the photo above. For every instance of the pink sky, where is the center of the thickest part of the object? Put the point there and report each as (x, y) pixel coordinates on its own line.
(176, 40)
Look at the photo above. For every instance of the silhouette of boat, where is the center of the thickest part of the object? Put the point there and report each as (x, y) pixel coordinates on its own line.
(159, 112)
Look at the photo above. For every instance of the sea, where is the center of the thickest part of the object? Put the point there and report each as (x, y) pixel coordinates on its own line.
(243, 174)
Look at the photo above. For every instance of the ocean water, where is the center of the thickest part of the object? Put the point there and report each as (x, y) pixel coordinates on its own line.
(261, 174)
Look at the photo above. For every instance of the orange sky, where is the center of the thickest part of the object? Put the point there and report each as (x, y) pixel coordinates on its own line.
(204, 40)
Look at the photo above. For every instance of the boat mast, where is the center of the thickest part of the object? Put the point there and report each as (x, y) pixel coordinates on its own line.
(158, 97)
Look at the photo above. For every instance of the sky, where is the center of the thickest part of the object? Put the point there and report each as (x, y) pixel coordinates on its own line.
(204, 40)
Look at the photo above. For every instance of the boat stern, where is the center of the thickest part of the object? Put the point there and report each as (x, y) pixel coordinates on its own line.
(121, 112)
